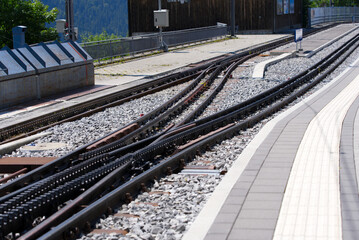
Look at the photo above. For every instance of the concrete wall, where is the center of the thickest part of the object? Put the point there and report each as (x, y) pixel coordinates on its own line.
(23, 84)
(25, 87)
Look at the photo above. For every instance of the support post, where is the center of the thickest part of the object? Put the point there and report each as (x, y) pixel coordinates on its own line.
(274, 15)
(163, 45)
(70, 19)
(233, 18)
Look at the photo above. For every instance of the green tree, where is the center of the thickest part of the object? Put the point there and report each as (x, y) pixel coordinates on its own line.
(345, 3)
(31, 13)
(319, 3)
(93, 16)
(87, 37)
(335, 3)
(306, 5)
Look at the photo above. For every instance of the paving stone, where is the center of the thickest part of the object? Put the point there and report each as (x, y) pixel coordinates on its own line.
(268, 189)
(256, 213)
(215, 236)
(231, 208)
(235, 200)
(268, 205)
(246, 178)
(349, 197)
(350, 225)
(286, 164)
(255, 223)
(220, 228)
(249, 173)
(239, 192)
(350, 206)
(270, 182)
(273, 173)
(350, 235)
(255, 234)
(242, 185)
(226, 218)
(266, 196)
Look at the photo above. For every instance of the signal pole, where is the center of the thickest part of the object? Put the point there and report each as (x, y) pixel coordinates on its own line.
(70, 19)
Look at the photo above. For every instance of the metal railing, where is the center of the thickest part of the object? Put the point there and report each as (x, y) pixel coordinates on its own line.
(332, 15)
(143, 43)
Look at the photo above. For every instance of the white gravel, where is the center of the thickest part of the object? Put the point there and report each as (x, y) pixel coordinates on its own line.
(87, 129)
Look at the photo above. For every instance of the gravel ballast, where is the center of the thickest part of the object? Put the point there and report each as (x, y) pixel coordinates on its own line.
(173, 203)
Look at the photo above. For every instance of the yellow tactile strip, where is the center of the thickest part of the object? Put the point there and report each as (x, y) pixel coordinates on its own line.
(311, 204)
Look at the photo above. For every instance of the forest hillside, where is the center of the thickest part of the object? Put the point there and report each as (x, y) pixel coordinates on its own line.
(94, 16)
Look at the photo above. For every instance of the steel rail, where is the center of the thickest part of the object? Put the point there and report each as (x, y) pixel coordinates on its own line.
(151, 119)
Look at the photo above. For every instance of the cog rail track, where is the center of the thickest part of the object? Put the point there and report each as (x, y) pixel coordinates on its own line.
(127, 174)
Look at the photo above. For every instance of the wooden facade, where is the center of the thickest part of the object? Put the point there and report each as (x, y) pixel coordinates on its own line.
(251, 15)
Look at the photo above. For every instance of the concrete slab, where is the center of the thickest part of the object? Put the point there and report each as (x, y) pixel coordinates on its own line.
(44, 146)
(260, 68)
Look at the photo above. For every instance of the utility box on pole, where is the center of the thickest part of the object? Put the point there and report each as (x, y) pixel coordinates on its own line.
(161, 18)
(60, 25)
(61, 28)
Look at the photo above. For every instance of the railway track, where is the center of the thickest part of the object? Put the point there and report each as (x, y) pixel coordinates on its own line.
(130, 163)
(35, 125)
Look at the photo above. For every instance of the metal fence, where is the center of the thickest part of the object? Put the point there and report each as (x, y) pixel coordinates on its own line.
(332, 15)
(149, 42)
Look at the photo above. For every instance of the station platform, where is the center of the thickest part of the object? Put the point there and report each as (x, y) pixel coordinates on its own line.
(297, 179)
(120, 76)
(312, 45)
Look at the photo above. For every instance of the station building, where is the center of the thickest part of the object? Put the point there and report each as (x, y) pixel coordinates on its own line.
(266, 16)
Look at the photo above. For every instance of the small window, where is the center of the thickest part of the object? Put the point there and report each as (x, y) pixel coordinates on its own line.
(279, 7)
(291, 6)
(285, 7)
